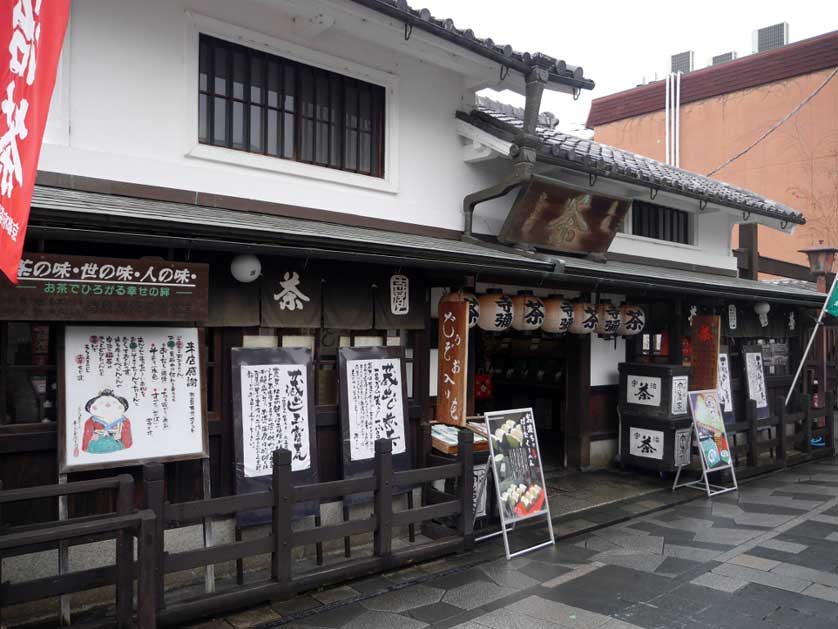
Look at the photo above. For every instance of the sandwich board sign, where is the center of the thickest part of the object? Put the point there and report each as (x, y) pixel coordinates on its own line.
(711, 437)
(519, 476)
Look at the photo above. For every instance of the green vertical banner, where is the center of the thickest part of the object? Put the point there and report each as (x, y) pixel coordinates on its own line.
(832, 301)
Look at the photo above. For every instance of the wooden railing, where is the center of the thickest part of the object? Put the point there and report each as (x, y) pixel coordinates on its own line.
(284, 579)
(124, 526)
(783, 438)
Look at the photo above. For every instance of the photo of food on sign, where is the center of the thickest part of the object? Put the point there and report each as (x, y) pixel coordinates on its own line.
(709, 423)
(517, 464)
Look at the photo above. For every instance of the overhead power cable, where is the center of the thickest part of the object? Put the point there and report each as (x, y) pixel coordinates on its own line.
(778, 124)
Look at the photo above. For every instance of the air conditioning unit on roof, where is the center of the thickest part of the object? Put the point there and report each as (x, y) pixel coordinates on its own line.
(723, 58)
(774, 36)
(682, 62)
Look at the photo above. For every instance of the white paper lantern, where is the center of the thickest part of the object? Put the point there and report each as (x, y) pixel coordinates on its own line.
(558, 315)
(584, 318)
(528, 311)
(632, 320)
(762, 308)
(246, 268)
(608, 319)
(496, 311)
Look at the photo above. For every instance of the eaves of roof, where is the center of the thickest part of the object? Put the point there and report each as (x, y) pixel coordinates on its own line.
(560, 71)
(803, 57)
(88, 216)
(598, 159)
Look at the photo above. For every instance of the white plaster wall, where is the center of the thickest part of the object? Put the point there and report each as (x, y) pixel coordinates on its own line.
(606, 354)
(123, 111)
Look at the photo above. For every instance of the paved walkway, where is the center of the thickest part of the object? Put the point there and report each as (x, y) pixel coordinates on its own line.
(767, 557)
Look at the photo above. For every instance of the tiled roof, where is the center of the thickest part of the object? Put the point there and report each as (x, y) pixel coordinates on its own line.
(600, 159)
(803, 57)
(560, 71)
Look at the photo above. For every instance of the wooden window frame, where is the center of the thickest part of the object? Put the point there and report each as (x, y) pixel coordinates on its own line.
(331, 115)
(660, 222)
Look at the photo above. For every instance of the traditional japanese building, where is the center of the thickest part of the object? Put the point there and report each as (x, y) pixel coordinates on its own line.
(316, 176)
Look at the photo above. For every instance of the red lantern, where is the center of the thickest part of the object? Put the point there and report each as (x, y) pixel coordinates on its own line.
(482, 386)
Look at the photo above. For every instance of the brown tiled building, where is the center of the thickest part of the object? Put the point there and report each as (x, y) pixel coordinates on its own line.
(725, 109)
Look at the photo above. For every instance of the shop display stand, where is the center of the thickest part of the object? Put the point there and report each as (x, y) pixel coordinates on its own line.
(703, 483)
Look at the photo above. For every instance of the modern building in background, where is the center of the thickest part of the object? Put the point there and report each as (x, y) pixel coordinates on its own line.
(726, 108)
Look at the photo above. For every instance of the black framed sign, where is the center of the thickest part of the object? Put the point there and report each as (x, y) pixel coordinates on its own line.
(273, 407)
(373, 405)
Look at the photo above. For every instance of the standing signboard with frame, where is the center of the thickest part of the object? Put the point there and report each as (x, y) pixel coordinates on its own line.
(273, 407)
(130, 395)
(373, 405)
(519, 476)
(711, 437)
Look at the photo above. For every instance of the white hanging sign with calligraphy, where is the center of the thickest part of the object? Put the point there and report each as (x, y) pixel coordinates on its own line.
(646, 443)
(643, 390)
(680, 388)
(375, 405)
(274, 415)
(131, 394)
(756, 378)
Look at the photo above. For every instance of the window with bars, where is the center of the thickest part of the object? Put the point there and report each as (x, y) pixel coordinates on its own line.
(253, 101)
(660, 222)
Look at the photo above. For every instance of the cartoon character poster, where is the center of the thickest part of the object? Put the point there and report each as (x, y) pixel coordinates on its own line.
(130, 395)
(706, 410)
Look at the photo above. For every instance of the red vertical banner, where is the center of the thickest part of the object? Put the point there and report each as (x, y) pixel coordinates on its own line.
(452, 378)
(706, 330)
(31, 36)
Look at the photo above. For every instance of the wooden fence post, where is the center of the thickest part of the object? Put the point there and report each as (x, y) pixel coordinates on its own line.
(383, 537)
(806, 403)
(124, 555)
(753, 449)
(830, 419)
(779, 404)
(155, 497)
(281, 517)
(149, 574)
(465, 526)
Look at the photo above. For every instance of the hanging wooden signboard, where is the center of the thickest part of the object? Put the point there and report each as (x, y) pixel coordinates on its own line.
(559, 218)
(711, 437)
(273, 407)
(755, 379)
(519, 476)
(373, 405)
(130, 395)
(705, 352)
(452, 378)
(82, 288)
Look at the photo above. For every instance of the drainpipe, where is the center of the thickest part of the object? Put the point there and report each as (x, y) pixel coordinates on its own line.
(523, 150)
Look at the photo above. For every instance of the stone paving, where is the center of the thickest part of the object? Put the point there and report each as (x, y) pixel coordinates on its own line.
(766, 557)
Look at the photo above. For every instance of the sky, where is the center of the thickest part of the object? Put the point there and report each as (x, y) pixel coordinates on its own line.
(622, 43)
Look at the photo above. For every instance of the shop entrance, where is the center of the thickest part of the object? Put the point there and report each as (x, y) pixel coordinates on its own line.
(529, 371)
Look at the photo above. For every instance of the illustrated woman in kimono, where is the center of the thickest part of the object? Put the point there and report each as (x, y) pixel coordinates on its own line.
(107, 429)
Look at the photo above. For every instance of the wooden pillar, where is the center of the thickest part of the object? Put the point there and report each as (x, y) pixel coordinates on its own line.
(577, 419)
(281, 517)
(383, 538)
(124, 555)
(150, 575)
(155, 497)
(465, 526)
(749, 241)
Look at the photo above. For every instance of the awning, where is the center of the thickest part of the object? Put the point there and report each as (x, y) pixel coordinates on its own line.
(84, 215)
(79, 215)
(618, 274)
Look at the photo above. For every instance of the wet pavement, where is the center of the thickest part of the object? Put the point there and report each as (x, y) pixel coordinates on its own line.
(765, 557)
